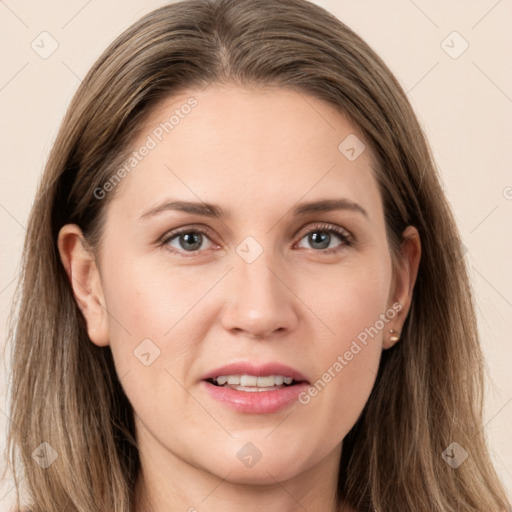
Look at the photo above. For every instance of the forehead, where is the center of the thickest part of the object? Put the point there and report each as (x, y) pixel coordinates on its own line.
(247, 146)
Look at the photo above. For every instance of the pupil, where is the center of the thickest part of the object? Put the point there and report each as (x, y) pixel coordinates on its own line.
(325, 237)
(191, 238)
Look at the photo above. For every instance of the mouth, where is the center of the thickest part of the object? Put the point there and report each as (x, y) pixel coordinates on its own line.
(253, 383)
(255, 389)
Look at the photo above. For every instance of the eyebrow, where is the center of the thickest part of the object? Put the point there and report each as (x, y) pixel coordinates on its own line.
(215, 211)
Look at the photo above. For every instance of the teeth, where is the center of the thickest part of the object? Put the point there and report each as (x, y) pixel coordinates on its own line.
(248, 380)
(263, 382)
(253, 381)
(222, 380)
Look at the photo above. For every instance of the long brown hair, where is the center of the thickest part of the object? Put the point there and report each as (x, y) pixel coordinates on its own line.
(428, 392)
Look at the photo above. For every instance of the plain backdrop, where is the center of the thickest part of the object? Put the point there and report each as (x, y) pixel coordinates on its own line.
(452, 58)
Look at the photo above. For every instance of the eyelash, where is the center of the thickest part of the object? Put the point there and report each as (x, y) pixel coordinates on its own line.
(344, 235)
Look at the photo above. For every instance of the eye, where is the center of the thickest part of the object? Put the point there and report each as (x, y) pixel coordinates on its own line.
(185, 240)
(320, 237)
(192, 240)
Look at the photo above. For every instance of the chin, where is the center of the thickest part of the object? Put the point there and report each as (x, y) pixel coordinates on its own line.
(262, 473)
(249, 465)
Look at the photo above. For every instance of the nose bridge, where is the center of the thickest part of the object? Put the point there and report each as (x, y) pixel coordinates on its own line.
(259, 302)
(254, 270)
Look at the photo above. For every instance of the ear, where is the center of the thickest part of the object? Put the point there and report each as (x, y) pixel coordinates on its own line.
(404, 279)
(80, 265)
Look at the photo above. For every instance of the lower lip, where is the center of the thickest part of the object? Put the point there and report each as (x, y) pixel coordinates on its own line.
(256, 402)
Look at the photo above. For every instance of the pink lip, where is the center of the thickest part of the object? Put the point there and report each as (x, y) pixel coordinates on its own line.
(260, 370)
(256, 402)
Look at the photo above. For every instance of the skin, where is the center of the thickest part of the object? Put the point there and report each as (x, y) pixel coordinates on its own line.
(256, 153)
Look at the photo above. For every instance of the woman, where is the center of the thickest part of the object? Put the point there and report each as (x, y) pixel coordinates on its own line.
(182, 341)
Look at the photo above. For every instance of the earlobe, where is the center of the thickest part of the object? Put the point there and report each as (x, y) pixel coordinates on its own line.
(84, 278)
(405, 278)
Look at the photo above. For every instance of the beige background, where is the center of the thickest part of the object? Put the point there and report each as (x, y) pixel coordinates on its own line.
(464, 104)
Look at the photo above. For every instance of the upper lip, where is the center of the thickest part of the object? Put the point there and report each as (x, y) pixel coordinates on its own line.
(258, 370)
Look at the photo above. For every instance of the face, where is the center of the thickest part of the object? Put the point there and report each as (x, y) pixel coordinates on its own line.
(281, 268)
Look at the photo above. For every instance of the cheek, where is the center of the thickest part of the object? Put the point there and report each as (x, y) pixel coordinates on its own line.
(152, 329)
(147, 301)
(357, 314)
(349, 299)
(150, 316)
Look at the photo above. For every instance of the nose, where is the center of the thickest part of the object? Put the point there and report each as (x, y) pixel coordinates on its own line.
(260, 302)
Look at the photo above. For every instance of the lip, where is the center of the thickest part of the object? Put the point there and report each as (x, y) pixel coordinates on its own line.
(255, 402)
(258, 370)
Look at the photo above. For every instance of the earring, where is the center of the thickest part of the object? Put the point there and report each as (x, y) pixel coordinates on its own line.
(393, 337)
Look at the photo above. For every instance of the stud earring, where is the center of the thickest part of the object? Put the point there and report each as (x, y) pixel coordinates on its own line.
(393, 337)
